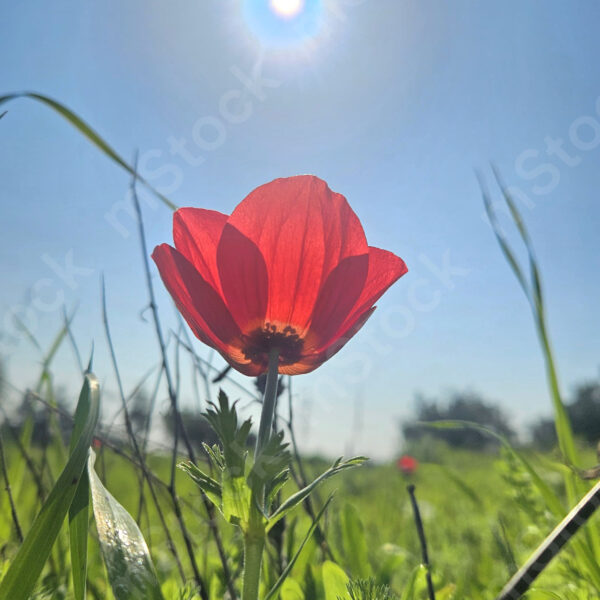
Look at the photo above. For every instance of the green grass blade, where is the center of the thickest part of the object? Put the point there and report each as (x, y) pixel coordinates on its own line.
(130, 570)
(90, 134)
(79, 511)
(535, 294)
(21, 577)
(418, 575)
(275, 589)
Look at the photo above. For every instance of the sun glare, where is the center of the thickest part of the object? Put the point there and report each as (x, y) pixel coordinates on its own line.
(284, 23)
(286, 8)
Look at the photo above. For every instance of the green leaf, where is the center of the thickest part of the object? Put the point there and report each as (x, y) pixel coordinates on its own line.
(20, 580)
(207, 484)
(270, 469)
(79, 510)
(291, 590)
(273, 592)
(90, 134)
(299, 496)
(354, 543)
(418, 575)
(224, 421)
(335, 581)
(236, 498)
(128, 563)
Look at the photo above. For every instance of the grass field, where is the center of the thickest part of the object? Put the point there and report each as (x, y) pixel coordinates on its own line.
(482, 513)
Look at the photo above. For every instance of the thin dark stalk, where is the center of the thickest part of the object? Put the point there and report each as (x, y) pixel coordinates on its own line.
(131, 396)
(198, 367)
(31, 467)
(199, 361)
(13, 508)
(148, 422)
(302, 481)
(179, 426)
(37, 477)
(552, 545)
(106, 443)
(133, 439)
(422, 539)
(177, 392)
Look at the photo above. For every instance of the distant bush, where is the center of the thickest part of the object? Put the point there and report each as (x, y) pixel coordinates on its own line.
(584, 414)
(465, 406)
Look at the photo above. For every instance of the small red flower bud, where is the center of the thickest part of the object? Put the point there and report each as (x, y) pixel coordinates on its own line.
(407, 464)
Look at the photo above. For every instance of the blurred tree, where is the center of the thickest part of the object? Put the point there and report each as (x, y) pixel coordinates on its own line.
(197, 427)
(463, 406)
(584, 413)
(543, 434)
(41, 415)
(139, 411)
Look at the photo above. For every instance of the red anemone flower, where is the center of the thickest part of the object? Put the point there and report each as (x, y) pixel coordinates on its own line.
(407, 464)
(289, 269)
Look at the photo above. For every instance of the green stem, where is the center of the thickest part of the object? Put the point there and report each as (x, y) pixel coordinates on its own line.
(268, 408)
(254, 537)
(253, 550)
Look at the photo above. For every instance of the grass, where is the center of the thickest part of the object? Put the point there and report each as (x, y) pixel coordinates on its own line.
(482, 515)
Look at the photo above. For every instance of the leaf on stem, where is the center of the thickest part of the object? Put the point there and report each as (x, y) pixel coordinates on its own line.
(128, 563)
(299, 496)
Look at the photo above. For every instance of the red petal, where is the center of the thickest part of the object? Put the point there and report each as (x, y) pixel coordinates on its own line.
(244, 278)
(196, 233)
(303, 230)
(385, 268)
(312, 361)
(200, 305)
(337, 298)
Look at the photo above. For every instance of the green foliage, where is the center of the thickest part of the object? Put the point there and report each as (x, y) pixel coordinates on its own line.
(352, 541)
(368, 589)
(19, 581)
(238, 487)
(338, 466)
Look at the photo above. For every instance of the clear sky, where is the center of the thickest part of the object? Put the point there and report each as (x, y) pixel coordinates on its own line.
(393, 103)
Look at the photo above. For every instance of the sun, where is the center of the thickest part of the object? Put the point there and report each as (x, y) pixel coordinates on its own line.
(286, 9)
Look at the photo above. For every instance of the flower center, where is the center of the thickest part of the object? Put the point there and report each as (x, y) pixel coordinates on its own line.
(259, 342)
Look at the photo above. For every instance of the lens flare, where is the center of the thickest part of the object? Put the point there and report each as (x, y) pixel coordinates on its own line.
(284, 23)
(286, 9)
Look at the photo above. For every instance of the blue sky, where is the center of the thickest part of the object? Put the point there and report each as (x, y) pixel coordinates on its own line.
(394, 104)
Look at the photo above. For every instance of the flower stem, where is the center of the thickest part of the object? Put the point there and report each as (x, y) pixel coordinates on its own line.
(253, 551)
(270, 397)
(254, 536)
